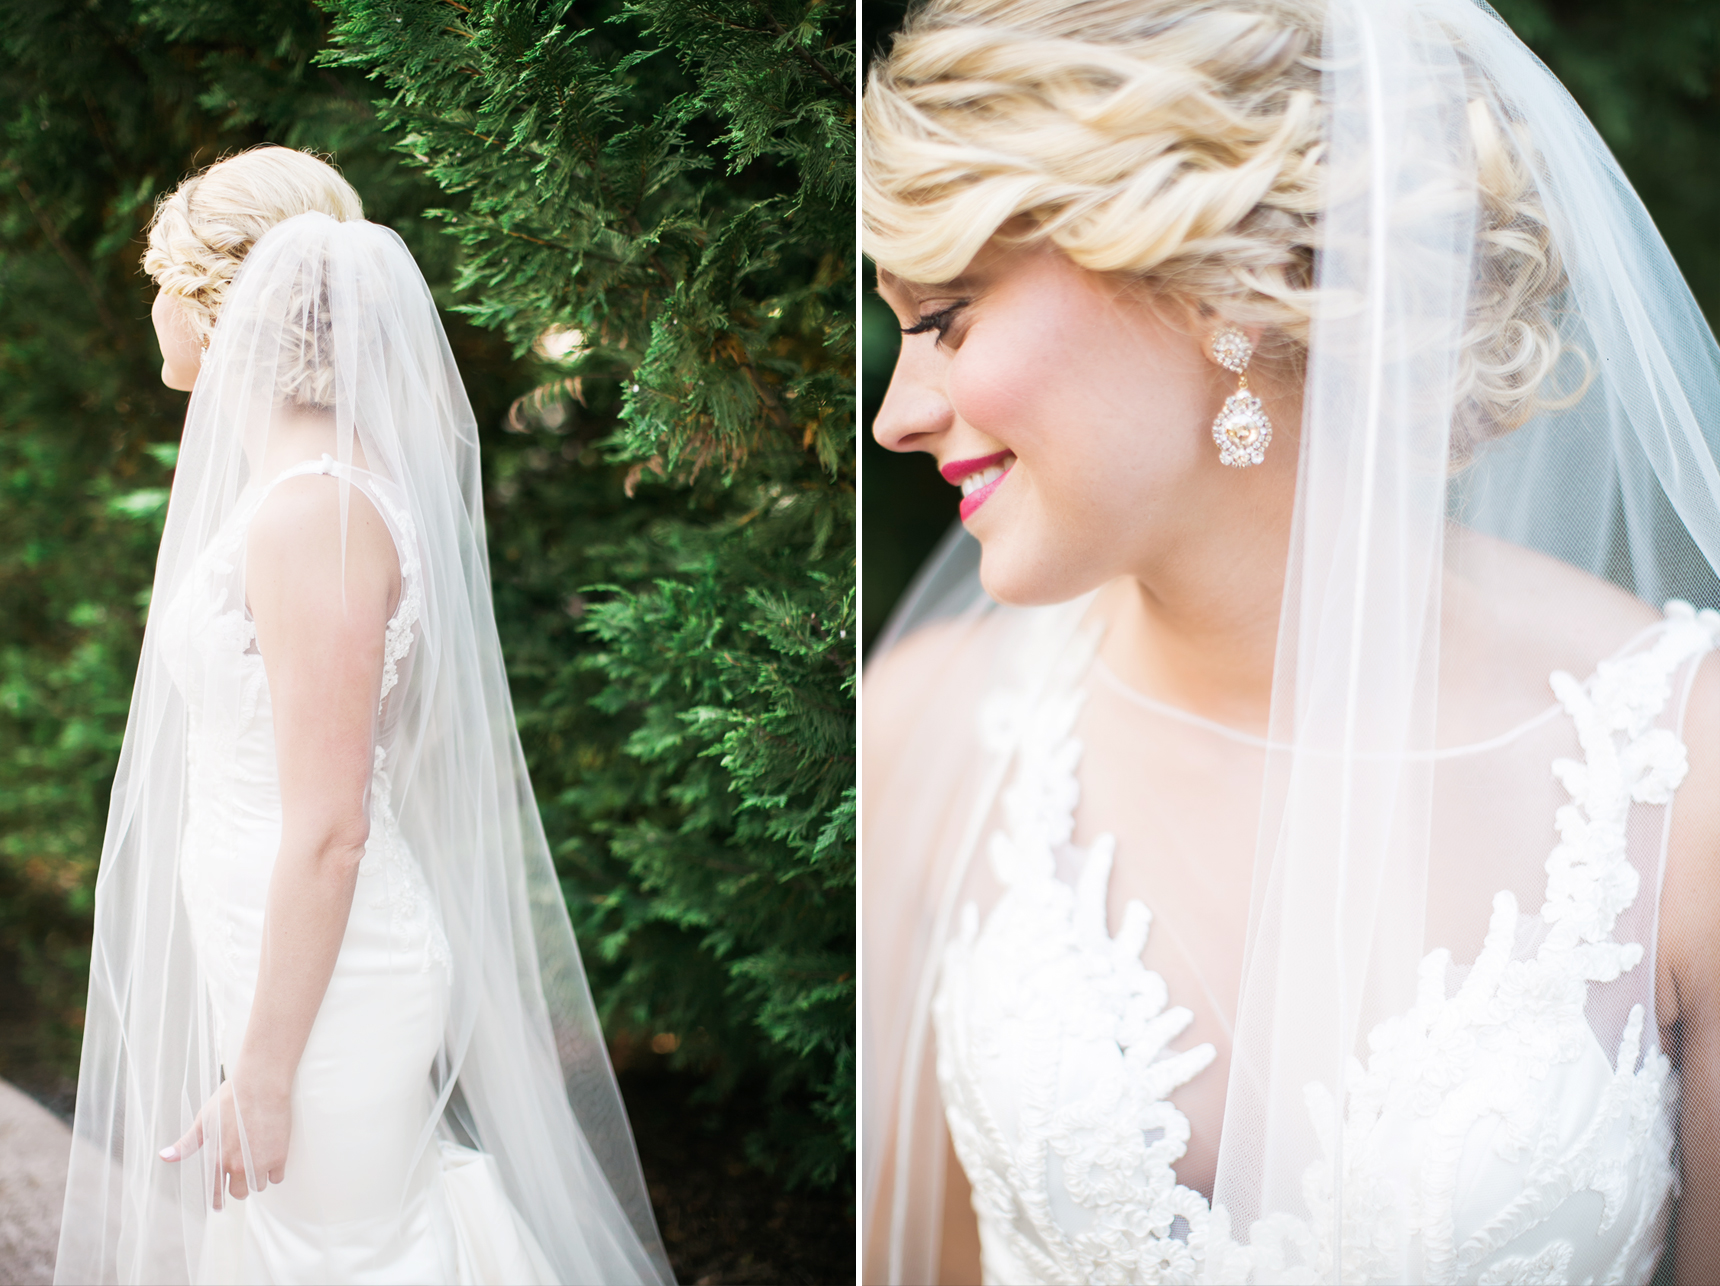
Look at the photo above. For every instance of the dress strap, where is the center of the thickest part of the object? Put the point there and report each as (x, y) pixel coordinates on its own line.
(327, 465)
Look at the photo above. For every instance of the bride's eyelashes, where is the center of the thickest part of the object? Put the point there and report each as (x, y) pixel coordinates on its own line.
(939, 321)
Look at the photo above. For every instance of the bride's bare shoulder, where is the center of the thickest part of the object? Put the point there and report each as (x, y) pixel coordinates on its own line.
(933, 673)
(1540, 609)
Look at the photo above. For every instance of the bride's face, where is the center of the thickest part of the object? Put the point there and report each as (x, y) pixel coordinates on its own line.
(1073, 411)
(181, 355)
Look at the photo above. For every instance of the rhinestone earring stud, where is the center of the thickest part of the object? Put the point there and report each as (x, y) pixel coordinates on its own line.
(1241, 430)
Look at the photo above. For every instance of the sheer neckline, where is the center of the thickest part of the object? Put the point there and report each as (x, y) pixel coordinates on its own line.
(1106, 675)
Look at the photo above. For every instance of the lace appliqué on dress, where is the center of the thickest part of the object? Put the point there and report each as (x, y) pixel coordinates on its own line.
(1054, 1064)
(1087, 1166)
(397, 640)
(404, 894)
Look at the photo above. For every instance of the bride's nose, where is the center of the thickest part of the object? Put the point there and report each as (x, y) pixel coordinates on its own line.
(916, 410)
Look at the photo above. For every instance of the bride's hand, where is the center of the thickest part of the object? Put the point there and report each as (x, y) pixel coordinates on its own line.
(268, 1125)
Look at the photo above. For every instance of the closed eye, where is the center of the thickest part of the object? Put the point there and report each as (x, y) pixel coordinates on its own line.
(938, 321)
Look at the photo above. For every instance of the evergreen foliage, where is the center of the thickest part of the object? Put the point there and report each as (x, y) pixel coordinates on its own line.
(1647, 72)
(659, 196)
(651, 218)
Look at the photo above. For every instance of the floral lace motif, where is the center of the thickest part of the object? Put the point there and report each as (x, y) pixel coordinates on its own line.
(404, 895)
(1054, 1064)
(397, 641)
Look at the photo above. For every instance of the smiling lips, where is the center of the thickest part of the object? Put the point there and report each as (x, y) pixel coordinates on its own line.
(977, 478)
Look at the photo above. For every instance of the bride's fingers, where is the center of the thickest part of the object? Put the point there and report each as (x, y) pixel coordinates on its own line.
(278, 1173)
(236, 1185)
(188, 1143)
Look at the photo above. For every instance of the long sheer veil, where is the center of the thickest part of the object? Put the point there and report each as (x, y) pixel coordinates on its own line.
(330, 324)
(1405, 496)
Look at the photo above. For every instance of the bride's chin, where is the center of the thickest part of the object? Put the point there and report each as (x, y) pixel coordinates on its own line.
(1018, 577)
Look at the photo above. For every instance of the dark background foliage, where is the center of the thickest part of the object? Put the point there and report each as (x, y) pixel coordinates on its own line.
(1646, 71)
(637, 218)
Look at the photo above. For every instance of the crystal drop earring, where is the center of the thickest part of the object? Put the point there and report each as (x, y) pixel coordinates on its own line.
(1241, 430)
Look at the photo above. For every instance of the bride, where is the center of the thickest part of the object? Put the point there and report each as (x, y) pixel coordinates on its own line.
(1300, 864)
(338, 1030)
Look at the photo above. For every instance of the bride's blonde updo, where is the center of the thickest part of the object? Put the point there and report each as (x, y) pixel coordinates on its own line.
(205, 227)
(1178, 142)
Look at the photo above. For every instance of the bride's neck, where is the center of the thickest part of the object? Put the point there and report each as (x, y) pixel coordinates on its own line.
(296, 435)
(1200, 629)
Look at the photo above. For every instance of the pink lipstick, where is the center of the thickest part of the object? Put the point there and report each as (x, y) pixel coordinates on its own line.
(978, 478)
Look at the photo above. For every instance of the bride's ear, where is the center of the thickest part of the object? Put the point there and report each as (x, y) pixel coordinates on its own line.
(181, 351)
(1204, 323)
(1223, 342)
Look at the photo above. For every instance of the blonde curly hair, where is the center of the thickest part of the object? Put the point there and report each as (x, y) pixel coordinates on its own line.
(203, 229)
(1177, 142)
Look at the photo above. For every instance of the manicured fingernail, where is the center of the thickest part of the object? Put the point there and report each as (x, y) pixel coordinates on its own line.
(170, 1153)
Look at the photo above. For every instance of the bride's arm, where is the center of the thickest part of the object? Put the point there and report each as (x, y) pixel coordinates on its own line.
(323, 654)
(927, 679)
(1687, 986)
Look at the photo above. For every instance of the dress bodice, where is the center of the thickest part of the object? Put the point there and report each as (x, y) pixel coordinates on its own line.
(209, 640)
(364, 1198)
(1502, 1130)
(232, 824)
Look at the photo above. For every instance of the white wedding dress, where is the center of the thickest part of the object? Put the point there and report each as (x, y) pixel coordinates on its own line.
(1516, 1125)
(365, 1199)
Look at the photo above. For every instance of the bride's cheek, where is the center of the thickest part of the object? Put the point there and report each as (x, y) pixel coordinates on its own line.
(1000, 384)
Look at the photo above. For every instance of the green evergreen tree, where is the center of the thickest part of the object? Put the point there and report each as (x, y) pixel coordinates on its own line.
(670, 515)
(659, 197)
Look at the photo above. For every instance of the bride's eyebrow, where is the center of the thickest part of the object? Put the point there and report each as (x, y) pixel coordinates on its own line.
(919, 291)
(957, 287)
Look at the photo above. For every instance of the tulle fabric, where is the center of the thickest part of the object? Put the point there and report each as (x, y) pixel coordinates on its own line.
(1406, 778)
(329, 343)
